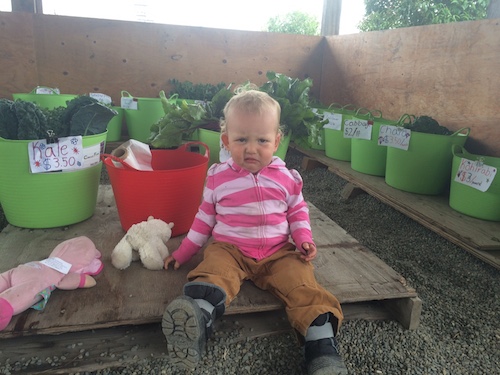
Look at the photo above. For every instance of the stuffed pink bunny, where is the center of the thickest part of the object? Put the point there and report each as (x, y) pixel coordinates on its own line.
(69, 266)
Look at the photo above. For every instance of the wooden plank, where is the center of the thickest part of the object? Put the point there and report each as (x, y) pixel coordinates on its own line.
(98, 55)
(18, 56)
(407, 311)
(447, 71)
(480, 237)
(123, 345)
(139, 296)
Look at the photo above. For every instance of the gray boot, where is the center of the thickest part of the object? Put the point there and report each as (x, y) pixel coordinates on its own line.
(188, 323)
(322, 353)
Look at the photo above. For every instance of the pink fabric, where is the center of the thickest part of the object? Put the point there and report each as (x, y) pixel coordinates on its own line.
(257, 213)
(20, 286)
(6, 312)
(82, 281)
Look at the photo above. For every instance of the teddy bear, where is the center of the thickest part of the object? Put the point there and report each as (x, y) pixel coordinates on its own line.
(146, 241)
(69, 266)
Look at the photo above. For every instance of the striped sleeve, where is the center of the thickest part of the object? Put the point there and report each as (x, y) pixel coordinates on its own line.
(298, 213)
(202, 226)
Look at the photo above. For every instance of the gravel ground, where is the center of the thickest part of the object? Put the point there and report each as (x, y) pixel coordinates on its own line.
(459, 332)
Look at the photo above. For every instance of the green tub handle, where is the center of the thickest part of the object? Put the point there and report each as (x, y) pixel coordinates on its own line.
(369, 113)
(126, 94)
(364, 112)
(459, 132)
(349, 107)
(363, 109)
(378, 111)
(457, 149)
(406, 118)
(335, 106)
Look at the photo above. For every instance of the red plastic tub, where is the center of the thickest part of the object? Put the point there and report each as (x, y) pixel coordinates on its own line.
(171, 192)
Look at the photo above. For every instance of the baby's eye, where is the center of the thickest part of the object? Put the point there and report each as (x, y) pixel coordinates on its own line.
(241, 140)
(262, 140)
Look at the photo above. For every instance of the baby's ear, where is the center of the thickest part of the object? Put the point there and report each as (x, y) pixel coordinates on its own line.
(278, 140)
(225, 139)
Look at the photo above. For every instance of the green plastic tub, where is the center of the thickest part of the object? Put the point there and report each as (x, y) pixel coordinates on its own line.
(366, 155)
(46, 200)
(468, 200)
(139, 121)
(115, 126)
(336, 146)
(212, 139)
(283, 147)
(426, 166)
(48, 101)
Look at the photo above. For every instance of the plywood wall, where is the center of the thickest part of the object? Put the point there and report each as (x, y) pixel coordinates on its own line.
(450, 72)
(81, 55)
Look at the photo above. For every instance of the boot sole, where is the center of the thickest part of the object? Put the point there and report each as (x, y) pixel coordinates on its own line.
(184, 329)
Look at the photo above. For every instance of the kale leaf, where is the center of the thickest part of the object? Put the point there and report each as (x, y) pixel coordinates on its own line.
(27, 121)
(32, 123)
(426, 124)
(8, 119)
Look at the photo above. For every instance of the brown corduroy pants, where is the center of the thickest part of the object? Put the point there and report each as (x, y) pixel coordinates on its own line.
(283, 274)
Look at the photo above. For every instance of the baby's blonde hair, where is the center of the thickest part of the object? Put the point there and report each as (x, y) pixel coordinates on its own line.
(250, 100)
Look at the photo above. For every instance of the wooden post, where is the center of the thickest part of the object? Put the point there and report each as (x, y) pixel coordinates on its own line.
(494, 9)
(29, 6)
(331, 17)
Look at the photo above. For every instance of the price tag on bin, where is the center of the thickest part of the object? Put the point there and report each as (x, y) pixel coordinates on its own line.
(49, 155)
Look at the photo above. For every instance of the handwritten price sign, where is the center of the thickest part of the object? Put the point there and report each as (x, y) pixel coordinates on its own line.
(66, 153)
(357, 128)
(334, 120)
(475, 174)
(128, 103)
(394, 136)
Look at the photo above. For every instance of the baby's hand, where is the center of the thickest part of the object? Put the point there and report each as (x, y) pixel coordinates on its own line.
(170, 259)
(310, 250)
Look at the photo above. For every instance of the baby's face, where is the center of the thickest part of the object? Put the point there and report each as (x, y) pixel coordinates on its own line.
(252, 138)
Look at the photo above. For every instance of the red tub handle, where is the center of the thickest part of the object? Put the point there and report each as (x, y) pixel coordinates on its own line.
(118, 160)
(181, 148)
(184, 147)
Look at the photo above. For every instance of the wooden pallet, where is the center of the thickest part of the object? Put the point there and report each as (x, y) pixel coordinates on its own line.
(120, 316)
(139, 296)
(479, 237)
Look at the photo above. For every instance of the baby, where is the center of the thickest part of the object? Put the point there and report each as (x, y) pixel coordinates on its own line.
(251, 205)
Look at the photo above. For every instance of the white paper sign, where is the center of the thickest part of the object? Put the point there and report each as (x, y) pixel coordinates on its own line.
(128, 102)
(92, 155)
(47, 90)
(334, 120)
(394, 136)
(475, 174)
(358, 128)
(57, 264)
(101, 98)
(66, 153)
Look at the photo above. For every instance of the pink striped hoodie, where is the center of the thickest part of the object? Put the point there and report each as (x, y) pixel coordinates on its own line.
(257, 213)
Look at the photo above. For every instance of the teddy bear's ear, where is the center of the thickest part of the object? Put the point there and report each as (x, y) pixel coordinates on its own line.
(150, 217)
(171, 225)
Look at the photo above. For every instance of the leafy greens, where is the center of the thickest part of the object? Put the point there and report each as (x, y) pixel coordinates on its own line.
(27, 121)
(182, 119)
